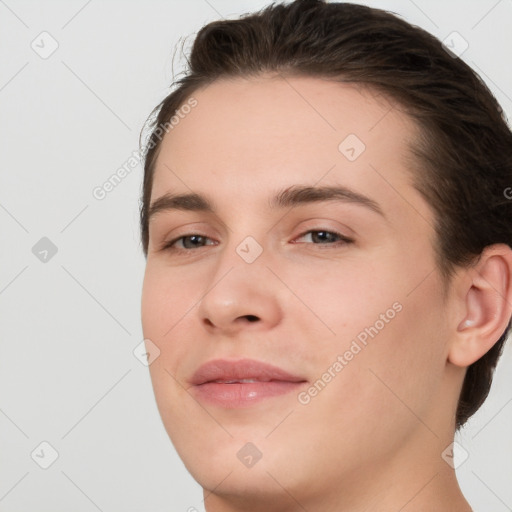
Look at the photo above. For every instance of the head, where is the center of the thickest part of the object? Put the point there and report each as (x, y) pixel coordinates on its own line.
(321, 95)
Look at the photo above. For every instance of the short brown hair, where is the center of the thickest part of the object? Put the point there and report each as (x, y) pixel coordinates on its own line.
(464, 154)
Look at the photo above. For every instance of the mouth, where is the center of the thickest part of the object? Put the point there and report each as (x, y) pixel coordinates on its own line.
(242, 383)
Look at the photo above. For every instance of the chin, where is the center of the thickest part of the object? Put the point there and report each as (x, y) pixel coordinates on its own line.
(245, 464)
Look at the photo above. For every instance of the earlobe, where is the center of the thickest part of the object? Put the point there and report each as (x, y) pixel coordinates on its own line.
(487, 306)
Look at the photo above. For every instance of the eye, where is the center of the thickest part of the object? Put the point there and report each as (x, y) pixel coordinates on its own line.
(324, 237)
(186, 242)
(316, 237)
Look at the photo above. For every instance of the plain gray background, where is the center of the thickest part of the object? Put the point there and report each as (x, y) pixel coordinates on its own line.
(69, 324)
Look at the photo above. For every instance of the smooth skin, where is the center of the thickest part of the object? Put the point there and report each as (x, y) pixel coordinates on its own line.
(372, 439)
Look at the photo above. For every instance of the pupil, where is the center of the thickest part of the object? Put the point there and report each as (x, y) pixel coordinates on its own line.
(194, 240)
(322, 236)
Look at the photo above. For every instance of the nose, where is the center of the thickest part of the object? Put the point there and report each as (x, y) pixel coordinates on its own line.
(240, 296)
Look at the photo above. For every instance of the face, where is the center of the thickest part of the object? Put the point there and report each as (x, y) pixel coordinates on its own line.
(302, 245)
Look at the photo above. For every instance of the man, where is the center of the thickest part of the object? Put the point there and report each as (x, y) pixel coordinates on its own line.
(329, 260)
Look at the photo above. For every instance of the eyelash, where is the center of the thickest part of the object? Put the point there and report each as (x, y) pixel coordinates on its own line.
(343, 240)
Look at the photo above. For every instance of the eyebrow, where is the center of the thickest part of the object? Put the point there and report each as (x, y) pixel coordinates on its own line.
(290, 197)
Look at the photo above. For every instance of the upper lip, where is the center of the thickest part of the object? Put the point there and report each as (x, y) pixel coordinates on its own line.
(229, 370)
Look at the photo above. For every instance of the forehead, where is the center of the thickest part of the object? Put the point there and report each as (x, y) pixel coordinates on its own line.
(246, 137)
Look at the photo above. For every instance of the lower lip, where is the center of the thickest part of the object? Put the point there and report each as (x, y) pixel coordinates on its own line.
(243, 394)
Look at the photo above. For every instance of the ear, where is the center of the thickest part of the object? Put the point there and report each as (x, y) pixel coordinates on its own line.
(486, 292)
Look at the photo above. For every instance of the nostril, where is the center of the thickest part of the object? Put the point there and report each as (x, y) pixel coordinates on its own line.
(252, 318)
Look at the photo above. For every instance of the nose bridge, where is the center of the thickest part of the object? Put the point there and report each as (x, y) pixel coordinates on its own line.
(240, 287)
(244, 255)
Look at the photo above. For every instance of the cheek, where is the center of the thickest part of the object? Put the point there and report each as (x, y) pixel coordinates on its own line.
(167, 310)
(386, 321)
(384, 386)
(166, 298)
(400, 369)
(344, 297)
